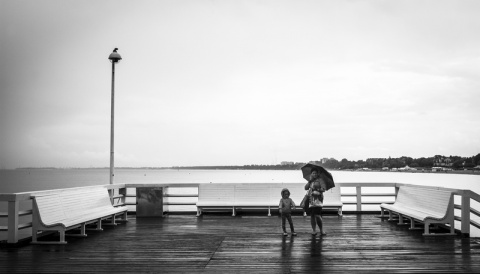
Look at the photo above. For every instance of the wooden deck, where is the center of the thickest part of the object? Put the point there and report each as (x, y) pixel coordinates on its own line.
(248, 244)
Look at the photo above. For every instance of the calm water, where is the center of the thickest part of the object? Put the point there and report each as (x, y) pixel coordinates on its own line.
(12, 181)
(25, 180)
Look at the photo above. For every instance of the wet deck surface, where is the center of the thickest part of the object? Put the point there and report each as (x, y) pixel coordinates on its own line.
(248, 244)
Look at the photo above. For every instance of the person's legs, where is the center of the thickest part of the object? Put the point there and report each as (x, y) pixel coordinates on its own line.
(290, 221)
(283, 223)
(320, 221)
(313, 222)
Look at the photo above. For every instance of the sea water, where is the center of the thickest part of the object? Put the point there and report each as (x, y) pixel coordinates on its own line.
(25, 180)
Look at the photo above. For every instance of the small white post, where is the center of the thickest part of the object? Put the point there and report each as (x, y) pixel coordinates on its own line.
(466, 212)
(13, 208)
(359, 198)
(123, 191)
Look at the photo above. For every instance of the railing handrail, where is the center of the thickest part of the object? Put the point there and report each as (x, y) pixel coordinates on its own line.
(26, 195)
(474, 196)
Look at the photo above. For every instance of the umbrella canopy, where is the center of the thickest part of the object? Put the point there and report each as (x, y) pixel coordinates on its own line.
(307, 170)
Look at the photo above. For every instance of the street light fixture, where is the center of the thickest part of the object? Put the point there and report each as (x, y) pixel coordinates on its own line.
(114, 58)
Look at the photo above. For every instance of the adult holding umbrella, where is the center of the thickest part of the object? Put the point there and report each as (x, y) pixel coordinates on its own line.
(319, 181)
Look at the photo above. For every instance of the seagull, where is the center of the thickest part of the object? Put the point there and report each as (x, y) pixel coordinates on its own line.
(115, 50)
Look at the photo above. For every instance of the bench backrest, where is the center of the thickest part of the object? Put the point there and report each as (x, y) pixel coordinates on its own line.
(297, 192)
(332, 195)
(216, 192)
(425, 199)
(56, 206)
(252, 193)
(261, 193)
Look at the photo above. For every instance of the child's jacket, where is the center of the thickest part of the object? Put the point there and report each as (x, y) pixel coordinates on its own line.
(287, 204)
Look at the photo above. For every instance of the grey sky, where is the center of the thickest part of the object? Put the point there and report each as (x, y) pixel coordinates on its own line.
(237, 82)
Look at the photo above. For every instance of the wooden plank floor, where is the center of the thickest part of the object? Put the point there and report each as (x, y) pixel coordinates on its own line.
(248, 244)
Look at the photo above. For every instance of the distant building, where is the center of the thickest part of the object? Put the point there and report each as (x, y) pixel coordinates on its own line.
(439, 168)
(442, 161)
(285, 163)
(407, 168)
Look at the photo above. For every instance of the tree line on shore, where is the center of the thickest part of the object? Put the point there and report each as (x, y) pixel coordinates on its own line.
(454, 162)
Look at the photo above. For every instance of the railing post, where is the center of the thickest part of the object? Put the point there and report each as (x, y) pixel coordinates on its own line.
(466, 212)
(165, 200)
(111, 193)
(123, 191)
(359, 198)
(13, 207)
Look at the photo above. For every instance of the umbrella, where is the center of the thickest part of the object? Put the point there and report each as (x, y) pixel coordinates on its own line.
(307, 170)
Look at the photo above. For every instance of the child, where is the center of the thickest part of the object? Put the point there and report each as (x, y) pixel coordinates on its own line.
(285, 208)
(318, 187)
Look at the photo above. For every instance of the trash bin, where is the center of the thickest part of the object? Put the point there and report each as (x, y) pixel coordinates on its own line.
(149, 202)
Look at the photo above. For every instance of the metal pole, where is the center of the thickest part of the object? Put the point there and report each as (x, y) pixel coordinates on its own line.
(111, 125)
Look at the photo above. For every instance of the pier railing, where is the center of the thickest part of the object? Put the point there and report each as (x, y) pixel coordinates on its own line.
(359, 195)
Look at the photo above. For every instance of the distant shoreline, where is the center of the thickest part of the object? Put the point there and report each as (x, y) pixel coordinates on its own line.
(466, 172)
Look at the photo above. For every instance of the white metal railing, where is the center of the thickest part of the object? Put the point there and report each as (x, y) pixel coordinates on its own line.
(119, 195)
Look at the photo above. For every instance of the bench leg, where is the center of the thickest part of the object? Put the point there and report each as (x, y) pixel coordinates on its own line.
(304, 213)
(82, 232)
(340, 213)
(35, 240)
(451, 233)
(269, 214)
(34, 235)
(382, 213)
(400, 219)
(412, 225)
(124, 218)
(62, 236)
(98, 226)
(390, 217)
(233, 211)
(199, 212)
(112, 223)
(427, 229)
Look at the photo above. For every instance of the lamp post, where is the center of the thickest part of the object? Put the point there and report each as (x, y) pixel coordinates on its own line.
(114, 58)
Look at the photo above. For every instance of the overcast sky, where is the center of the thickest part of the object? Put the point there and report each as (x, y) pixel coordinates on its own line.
(237, 82)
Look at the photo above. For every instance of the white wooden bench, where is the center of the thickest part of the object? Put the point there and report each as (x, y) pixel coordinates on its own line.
(215, 196)
(252, 196)
(257, 196)
(332, 199)
(66, 209)
(426, 205)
